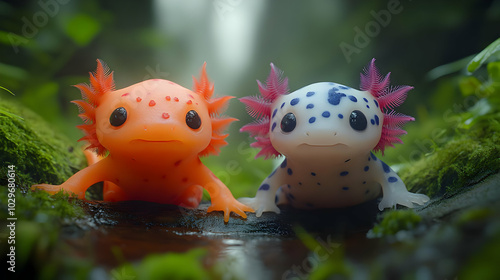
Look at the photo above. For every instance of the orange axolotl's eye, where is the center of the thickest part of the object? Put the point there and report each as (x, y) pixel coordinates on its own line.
(118, 117)
(193, 119)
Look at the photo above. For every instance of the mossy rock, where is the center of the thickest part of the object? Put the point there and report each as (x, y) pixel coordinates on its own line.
(465, 160)
(39, 153)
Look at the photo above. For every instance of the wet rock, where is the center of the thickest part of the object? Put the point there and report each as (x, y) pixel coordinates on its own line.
(149, 215)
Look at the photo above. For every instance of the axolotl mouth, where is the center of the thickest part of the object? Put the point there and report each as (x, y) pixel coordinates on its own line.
(154, 141)
(337, 145)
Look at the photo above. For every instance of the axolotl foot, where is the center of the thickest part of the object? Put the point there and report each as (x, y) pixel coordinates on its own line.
(406, 198)
(229, 205)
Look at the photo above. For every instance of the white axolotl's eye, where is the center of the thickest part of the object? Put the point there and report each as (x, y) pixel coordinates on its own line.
(357, 120)
(288, 123)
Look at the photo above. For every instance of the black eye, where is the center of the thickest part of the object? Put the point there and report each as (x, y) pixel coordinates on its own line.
(118, 117)
(193, 120)
(288, 122)
(357, 120)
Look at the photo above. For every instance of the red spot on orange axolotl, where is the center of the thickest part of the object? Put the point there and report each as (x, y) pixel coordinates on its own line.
(190, 96)
(125, 94)
(184, 180)
(189, 102)
(168, 98)
(152, 103)
(176, 99)
(177, 163)
(138, 99)
(165, 115)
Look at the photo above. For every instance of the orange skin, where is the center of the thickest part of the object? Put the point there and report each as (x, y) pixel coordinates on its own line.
(154, 155)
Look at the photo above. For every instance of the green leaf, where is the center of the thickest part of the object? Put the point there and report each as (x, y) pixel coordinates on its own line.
(479, 59)
(1, 87)
(82, 29)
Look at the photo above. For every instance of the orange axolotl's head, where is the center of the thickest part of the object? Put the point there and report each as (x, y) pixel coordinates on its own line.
(151, 119)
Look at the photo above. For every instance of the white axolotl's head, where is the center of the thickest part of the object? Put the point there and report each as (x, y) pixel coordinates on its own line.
(326, 119)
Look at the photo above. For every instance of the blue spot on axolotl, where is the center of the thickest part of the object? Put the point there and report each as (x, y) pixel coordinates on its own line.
(376, 103)
(264, 187)
(290, 196)
(366, 100)
(311, 93)
(326, 114)
(377, 120)
(372, 121)
(312, 119)
(294, 101)
(386, 167)
(352, 98)
(345, 188)
(367, 106)
(274, 112)
(334, 97)
(373, 156)
(273, 127)
(283, 104)
(310, 106)
(344, 173)
(283, 164)
(366, 168)
(312, 173)
(392, 179)
(289, 171)
(340, 116)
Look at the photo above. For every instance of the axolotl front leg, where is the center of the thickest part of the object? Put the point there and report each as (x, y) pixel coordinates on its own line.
(265, 199)
(393, 189)
(220, 196)
(79, 183)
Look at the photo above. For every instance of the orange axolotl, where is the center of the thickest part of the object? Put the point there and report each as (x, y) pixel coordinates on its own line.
(150, 136)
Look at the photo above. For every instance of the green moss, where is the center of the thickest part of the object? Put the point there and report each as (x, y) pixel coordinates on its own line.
(395, 221)
(458, 164)
(40, 154)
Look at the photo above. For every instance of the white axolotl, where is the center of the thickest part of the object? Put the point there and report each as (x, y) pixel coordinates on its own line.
(327, 132)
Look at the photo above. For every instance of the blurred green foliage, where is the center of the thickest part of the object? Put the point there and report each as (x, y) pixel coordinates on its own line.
(166, 266)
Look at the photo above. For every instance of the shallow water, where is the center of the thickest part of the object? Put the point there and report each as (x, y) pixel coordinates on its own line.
(255, 248)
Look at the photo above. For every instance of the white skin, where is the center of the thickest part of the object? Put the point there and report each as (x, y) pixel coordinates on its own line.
(328, 162)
